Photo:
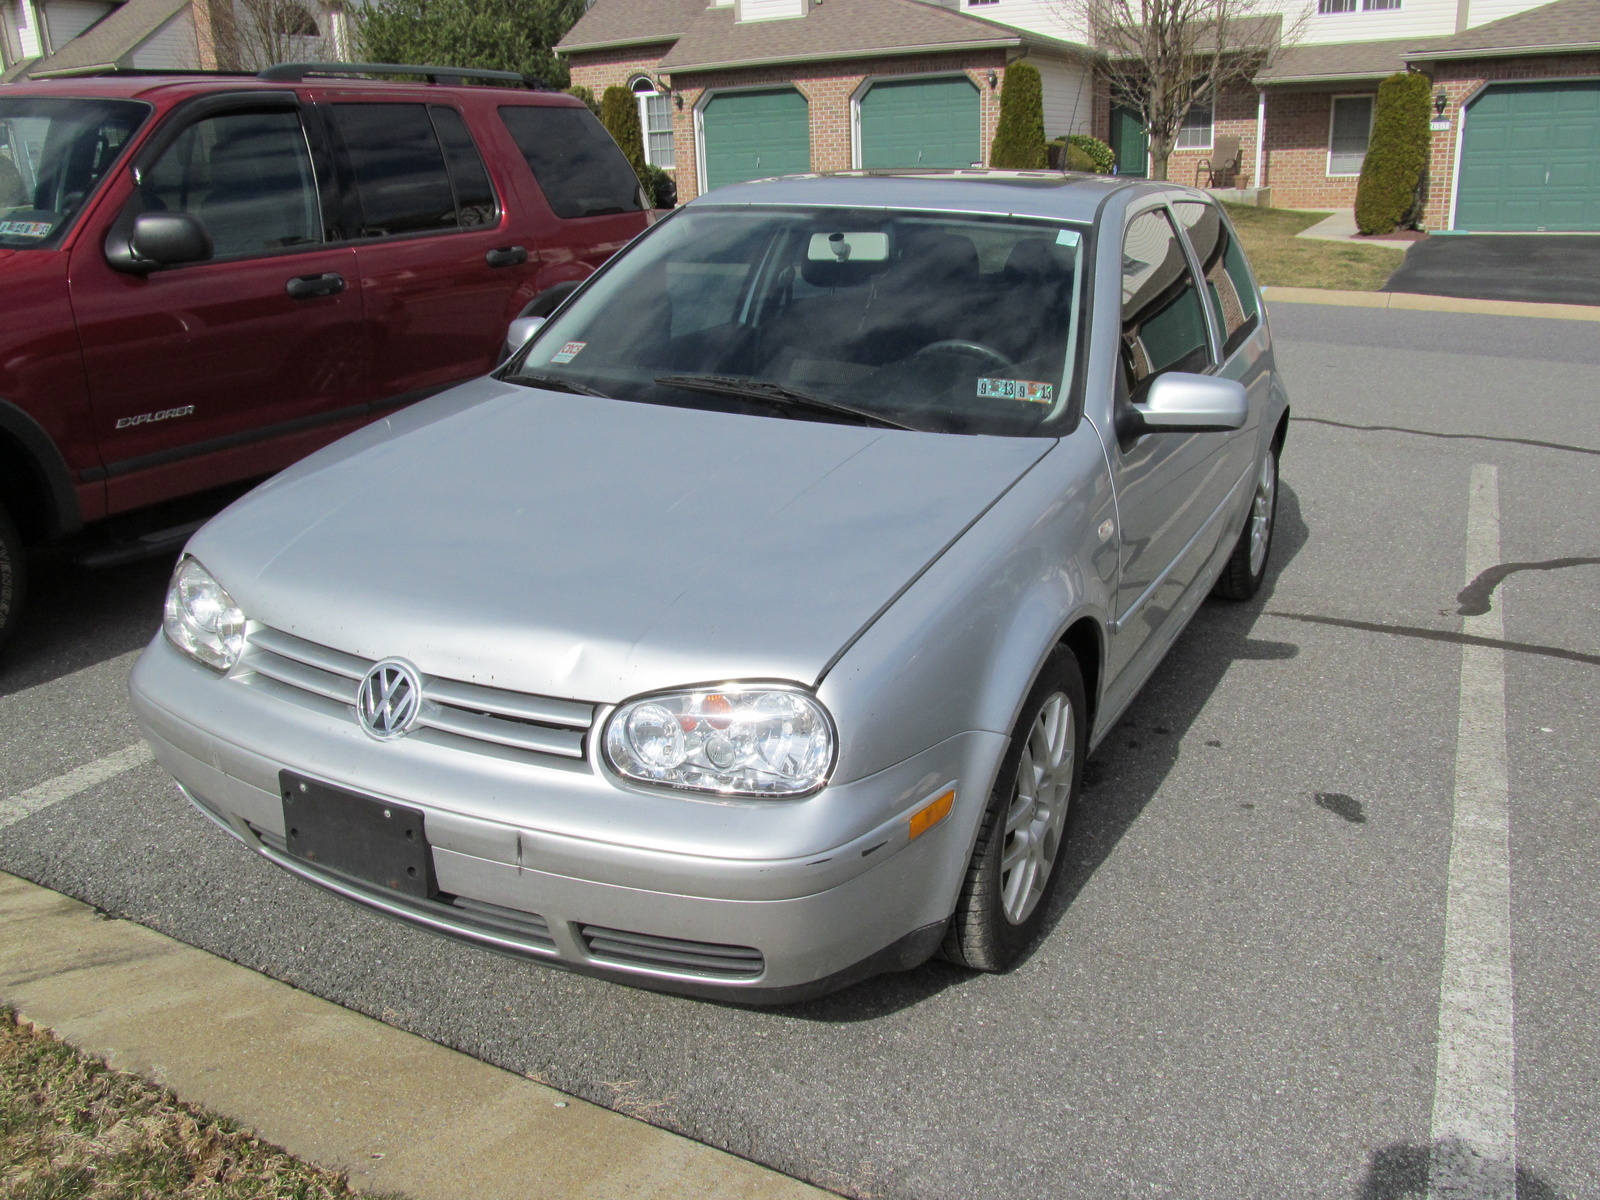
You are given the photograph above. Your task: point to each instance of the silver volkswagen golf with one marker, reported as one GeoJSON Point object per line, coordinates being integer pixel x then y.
{"type": "Point", "coordinates": [744, 635]}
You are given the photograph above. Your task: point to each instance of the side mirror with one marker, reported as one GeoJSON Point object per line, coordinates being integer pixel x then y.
{"type": "Point", "coordinates": [1179, 402]}
{"type": "Point", "coordinates": [160, 240]}
{"type": "Point", "coordinates": [521, 332]}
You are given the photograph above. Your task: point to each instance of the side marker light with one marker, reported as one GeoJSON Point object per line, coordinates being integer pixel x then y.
{"type": "Point", "coordinates": [932, 813]}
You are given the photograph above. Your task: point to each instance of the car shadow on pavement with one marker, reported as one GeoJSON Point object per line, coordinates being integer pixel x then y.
{"type": "Point", "coordinates": [1400, 1172]}
{"type": "Point", "coordinates": [1123, 773]}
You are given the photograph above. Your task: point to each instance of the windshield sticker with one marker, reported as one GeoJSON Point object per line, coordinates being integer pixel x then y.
{"type": "Point", "coordinates": [34, 229]}
{"type": "Point", "coordinates": [568, 352]}
{"type": "Point", "coordinates": [1067, 237]}
{"type": "Point", "coordinates": [1016, 389]}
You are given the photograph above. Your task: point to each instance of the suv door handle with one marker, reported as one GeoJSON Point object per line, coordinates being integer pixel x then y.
{"type": "Point", "coordinates": [507, 256]}
{"type": "Point", "coordinates": [307, 287]}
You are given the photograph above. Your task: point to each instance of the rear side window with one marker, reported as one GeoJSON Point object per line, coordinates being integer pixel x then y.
{"type": "Point", "coordinates": [578, 165]}
{"type": "Point", "coordinates": [402, 182]}
{"type": "Point", "coordinates": [1163, 319]}
{"type": "Point", "coordinates": [1227, 278]}
{"type": "Point", "coordinates": [475, 204]}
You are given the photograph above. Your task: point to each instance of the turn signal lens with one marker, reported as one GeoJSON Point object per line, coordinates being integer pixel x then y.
{"type": "Point", "coordinates": [201, 619]}
{"type": "Point", "coordinates": [926, 817]}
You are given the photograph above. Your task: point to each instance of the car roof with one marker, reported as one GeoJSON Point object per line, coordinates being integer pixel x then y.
{"type": "Point", "coordinates": [1049, 194]}
{"type": "Point", "coordinates": [181, 85]}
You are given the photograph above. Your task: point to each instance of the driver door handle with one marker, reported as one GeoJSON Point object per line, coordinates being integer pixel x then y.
{"type": "Point", "coordinates": [308, 287]}
{"type": "Point", "coordinates": [507, 256]}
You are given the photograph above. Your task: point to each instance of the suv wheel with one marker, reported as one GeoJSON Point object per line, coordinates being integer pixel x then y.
{"type": "Point", "coordinates": [13, 576]}
{"type": "Point", "coordinates": [1014, 866]}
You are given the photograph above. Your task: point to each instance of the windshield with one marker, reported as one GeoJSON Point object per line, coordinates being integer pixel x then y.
{"type": "Point", "coordinates": [53, 153]}
{"type": "Point", "coordinates": [934, 321]}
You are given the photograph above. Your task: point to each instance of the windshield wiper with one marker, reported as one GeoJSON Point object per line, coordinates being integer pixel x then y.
{"type": "Point", "coordinates": [776, 393]}
{"type": "Point", "coordinates": [554, 383]}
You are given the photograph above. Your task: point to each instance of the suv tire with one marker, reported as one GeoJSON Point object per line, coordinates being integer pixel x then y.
{"type": "Point", "coordinates": [13, 576]}
{"type": "Point", "coordinates": [1000, 911]}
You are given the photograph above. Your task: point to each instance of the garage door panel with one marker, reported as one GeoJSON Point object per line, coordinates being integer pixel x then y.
{"type": "Point", "coordinates": [1530, 158]}
{"type": "Point", "coordinates": [921, 123]}
{"type": "Point", "coordinates": [751, 135]}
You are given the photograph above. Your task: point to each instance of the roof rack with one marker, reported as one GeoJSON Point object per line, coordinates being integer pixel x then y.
{"type": "Point", "coordinates": [297, 72]}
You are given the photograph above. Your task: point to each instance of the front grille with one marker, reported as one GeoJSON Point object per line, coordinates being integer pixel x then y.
{"type": "Point", "coordinates": [463, 715]}
{"type": "Point", "coordinates": [673, 954]}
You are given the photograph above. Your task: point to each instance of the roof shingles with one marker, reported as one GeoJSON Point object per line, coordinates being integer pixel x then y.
{"type": "Point", "coordinates": [1563, 25]}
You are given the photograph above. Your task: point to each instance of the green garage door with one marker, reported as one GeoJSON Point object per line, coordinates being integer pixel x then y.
{"type": "Point", "coordinates": [1530, 159]}
{"type": "Point", "coordinates": [750, 135]}
{"type": "Point", "coordinates": [921, 123]}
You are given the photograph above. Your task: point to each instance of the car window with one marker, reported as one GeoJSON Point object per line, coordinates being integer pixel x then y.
{"type": "Point", "coordinates": [247, 177]}
{"type": "Point", "coordinates": [1233, 296]}
{"type": "Point", "coordinates": [1163, 318]}
{"type": "Point", "coordinates": [402, 185]}
{"type": "Point", "coordinates": [579, 167]}
{"type": "Point", "coordinates": [475, 202]}
{"type": "Point", "coordinates": [947, 322]}
{"type": "Point", "coordinates": [53, 154]}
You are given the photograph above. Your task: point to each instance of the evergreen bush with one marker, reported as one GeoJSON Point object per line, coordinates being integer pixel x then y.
{"type": "Point", "coordinates": [662, 187]}
{"type": "Point", "coordinates": [1078, 160]}
{"type": "Point", "coordinates": [1397, 154]}
{"type": "Point", "coordinates": [1102, 157]}
{"type": "Point", "coordinates": [1019, 139]}
{"type": "Point", "coordinates": [587, 96]}
{"type": "Point", "coordinates": [619, 113]}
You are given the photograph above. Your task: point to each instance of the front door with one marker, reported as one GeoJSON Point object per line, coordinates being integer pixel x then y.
{"type": "Point", "coordinates": [215, 371]}
{"type": "Point", "coordinates": [1129, 142]}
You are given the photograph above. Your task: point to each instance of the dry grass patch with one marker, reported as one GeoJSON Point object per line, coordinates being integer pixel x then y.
{"type": "Point", "coordinates": [1281, 259]}
{"type": "Point", "coordinates": [71, 1128]}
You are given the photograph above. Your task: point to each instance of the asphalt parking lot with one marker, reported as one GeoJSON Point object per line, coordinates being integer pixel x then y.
{"type": "Point", "coordinates": [1239, 992]}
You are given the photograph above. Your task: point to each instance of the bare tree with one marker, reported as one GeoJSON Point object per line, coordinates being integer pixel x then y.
{"type": "Point", "coordinates": [1162, 57]}
{"type": "Point", "coordinates": [252, 34]}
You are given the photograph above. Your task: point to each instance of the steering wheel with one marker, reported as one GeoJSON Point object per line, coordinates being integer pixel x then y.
{"type": "Point", "coordinates": [962, 346]}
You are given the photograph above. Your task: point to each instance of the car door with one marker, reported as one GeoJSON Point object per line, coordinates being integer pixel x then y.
{"type": "Point", "coordinates": [1171, 488]}
{"type": "Point", "coordinates": [441, 259]}
{"type": "Point", "coordinates": [212, 371]}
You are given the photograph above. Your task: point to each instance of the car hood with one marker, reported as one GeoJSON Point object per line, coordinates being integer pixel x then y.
{"type": "Point", "coordinates": [594, 549]}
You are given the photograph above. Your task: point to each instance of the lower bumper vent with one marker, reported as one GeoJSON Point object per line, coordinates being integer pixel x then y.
{"type": "Point", "coordinates": [673, 954]}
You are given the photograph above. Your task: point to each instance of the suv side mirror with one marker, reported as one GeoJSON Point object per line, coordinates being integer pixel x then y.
{"type": "Point", "coordinates": [1179, 402]}
{"type": "Point", "coordinates": [160, 240]}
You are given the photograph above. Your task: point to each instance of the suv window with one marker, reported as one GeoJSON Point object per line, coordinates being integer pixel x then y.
{"type": "Point", "coordinates": [1163, 319]}
{"type": "Point", "coordinates": [579, 167]}
{"type": "Point", "coordinates": [475, 202]}
{"type": "Point", "coordinates": [246, 175]}
{"type": "Point", "coordinates": [1227, 278]}
{"type": "Point", "coordinates": [401, 182]}
{"type": "Point", "coordinates": [53, 154]}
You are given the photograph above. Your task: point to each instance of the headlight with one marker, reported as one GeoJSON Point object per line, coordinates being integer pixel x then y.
{"type": "Point", "coordinates": [737, 740]}
{"type": "Point", "coordinates": [201, 619]}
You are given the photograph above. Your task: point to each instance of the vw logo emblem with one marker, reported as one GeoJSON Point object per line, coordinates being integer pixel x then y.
{"type": "Point", "coordinates": [389, 700]}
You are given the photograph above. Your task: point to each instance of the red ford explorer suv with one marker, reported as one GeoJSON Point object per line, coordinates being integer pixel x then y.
{"type": "Point", "coordinates": [205, 277]}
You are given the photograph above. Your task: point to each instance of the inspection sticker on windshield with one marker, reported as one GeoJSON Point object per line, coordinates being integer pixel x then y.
{"type": "Point", "coordinates": [27, 228]}
{"type": "Point", "coordinates": [568, 352]}
{"type": "Point", "coordinates": [1016, 389]}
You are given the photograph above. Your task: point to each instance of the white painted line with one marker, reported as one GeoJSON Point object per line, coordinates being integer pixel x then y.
{"type": "Point", "coordinates": [1474, 1135]}
{"type": "Point", "coordinates": [81, 779]}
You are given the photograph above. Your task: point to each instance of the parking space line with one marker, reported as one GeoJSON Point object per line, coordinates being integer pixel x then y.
{"type": "Point", "coordinates": [1473, 1128]}
{"type": "Point", "coordinates": [80, 779]}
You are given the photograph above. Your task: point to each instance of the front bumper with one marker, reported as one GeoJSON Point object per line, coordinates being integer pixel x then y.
{"type": "Point", "coordinates": [764, 902]}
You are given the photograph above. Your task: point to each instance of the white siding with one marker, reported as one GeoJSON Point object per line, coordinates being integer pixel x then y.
{"type": "Point", "coordinates": [768, 10]}
{"type": "Point", "coordinates": [66, 19]}
{"type": "Point", "coordinates": [1068, 95]}
{"type": "Point", "coordinates": [1055, 18]}
{"type": "Point", "coordinates": [170, 48]}
{"type": "Point", "coordinates": [1484, 11]}
{"type": "Point", "coordinates": [23, 29]}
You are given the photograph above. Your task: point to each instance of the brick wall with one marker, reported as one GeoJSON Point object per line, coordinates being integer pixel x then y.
{"type": "Point", "coordinates": [1235, 114]}
{"type": "Point", "coordinates": [1461, 81]}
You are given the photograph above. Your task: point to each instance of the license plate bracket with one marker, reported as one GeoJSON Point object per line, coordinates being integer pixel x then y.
{"type": "Point", "coordinates": [375, 841]}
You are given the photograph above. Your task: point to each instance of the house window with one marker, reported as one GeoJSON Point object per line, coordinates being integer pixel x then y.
{"type": "Point", "coordinates": [1196, 131]}
{"type": "Point", "coordinates": [1329, 7]}
{"type": "Point", "coordinates": [976, 3]}
{"type": "Point", "coordinates": [1380, 5]}
{"type": "Point", "coordinates": [655, 118]}
{"type": "Point", "coordinates": [1349, 128]}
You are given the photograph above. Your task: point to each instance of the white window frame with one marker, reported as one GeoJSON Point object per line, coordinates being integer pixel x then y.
{"type": "Point", "coordinates": [643, 88]}
{"type": "Point", "coordinates": [1333, 105]}
{"type": "Point", "coordinates": [1354, 8]}
{"type": "Point", "coordinates": [1211, 129]}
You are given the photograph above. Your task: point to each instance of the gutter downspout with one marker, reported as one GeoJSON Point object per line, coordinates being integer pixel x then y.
{"type": "Point", "coordinates": [1261, 136]}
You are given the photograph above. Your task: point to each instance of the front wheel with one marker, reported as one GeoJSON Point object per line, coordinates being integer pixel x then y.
{"type": "Point", "coordinates": [13, 576]}
{"type": "Point", "coordinates": [1015, 864]}
{"type": "Point", "coordinates": [1247, 565]}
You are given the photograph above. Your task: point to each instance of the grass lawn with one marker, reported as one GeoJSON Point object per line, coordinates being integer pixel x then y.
{"type": "Point", "coordinates": [71, 1128]}
{"type": "Point", "coordinates": [1281, 259]}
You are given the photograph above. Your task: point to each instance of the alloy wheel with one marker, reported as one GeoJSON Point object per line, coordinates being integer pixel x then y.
{"type": "Point", "coordinates": [1038, 809]}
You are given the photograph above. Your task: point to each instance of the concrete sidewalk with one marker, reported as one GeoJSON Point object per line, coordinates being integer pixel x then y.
{"type": "Point", "coordinates": [1340, 226]}
{"type": "Point", "coordinates": [395, 1112]}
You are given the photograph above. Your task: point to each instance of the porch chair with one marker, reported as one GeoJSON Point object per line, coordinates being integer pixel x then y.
{"type": "Point", "coordinates": [1221, 169]}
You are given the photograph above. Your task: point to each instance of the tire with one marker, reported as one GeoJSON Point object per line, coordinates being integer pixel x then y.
{"type": "Point", "coordinates": [998, 914]}
{"type": "Point", "coordinates": [13, 577]}
{"type": "Point", "coordinates": [1247, 565]}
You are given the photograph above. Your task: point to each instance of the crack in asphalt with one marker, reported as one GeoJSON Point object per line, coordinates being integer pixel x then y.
{"type": "Point", "coordinates": [1471, 437]}
{"type": "Point", "coordinates": [1476, 596]}
{"type": "Point", "coordinates": [1440, 635]}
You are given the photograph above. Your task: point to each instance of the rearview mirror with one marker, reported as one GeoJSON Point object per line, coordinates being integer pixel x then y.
{"type": "Point", "coordinates": [521, 333]}
{"type": "Point", "coordinates": [1179, 402]}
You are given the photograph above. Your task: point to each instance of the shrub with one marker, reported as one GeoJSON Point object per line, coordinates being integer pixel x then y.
{"type": "Point", "coordinates": [1397, 154]}
{"type": "Point", "coordinates": [587, 96]}
{"type": "Point", "coordinates": [504, 35]}
{"type": "Point", "coordinates": [1019, 138]}
{"type": "Point", "coordinates": [619, 113]}
{"type": "Point", "coordinates": [1102, 157]}
{"type": "Point", "coordinates": [662, 187]}
{"type": "Point", "coordinates": [1078, 160]}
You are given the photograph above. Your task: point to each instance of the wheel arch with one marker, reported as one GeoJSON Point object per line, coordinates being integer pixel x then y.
{"type": "Point", "coordinates": [35, 485]}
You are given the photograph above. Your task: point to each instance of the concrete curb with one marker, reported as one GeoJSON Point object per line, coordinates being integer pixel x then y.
{"type": "Point", "coordinates": [1421, 303]}
{"type": "Point", "coordinates": [395, 1112]}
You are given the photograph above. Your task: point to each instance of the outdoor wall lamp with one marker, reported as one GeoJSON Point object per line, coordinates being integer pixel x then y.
{"type": "Point", "coordinates": [994, 80]}
{"type": "Point", "coordinates": [1440, 102]}
{"type": "Point", "coordinates": [678, 100]}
